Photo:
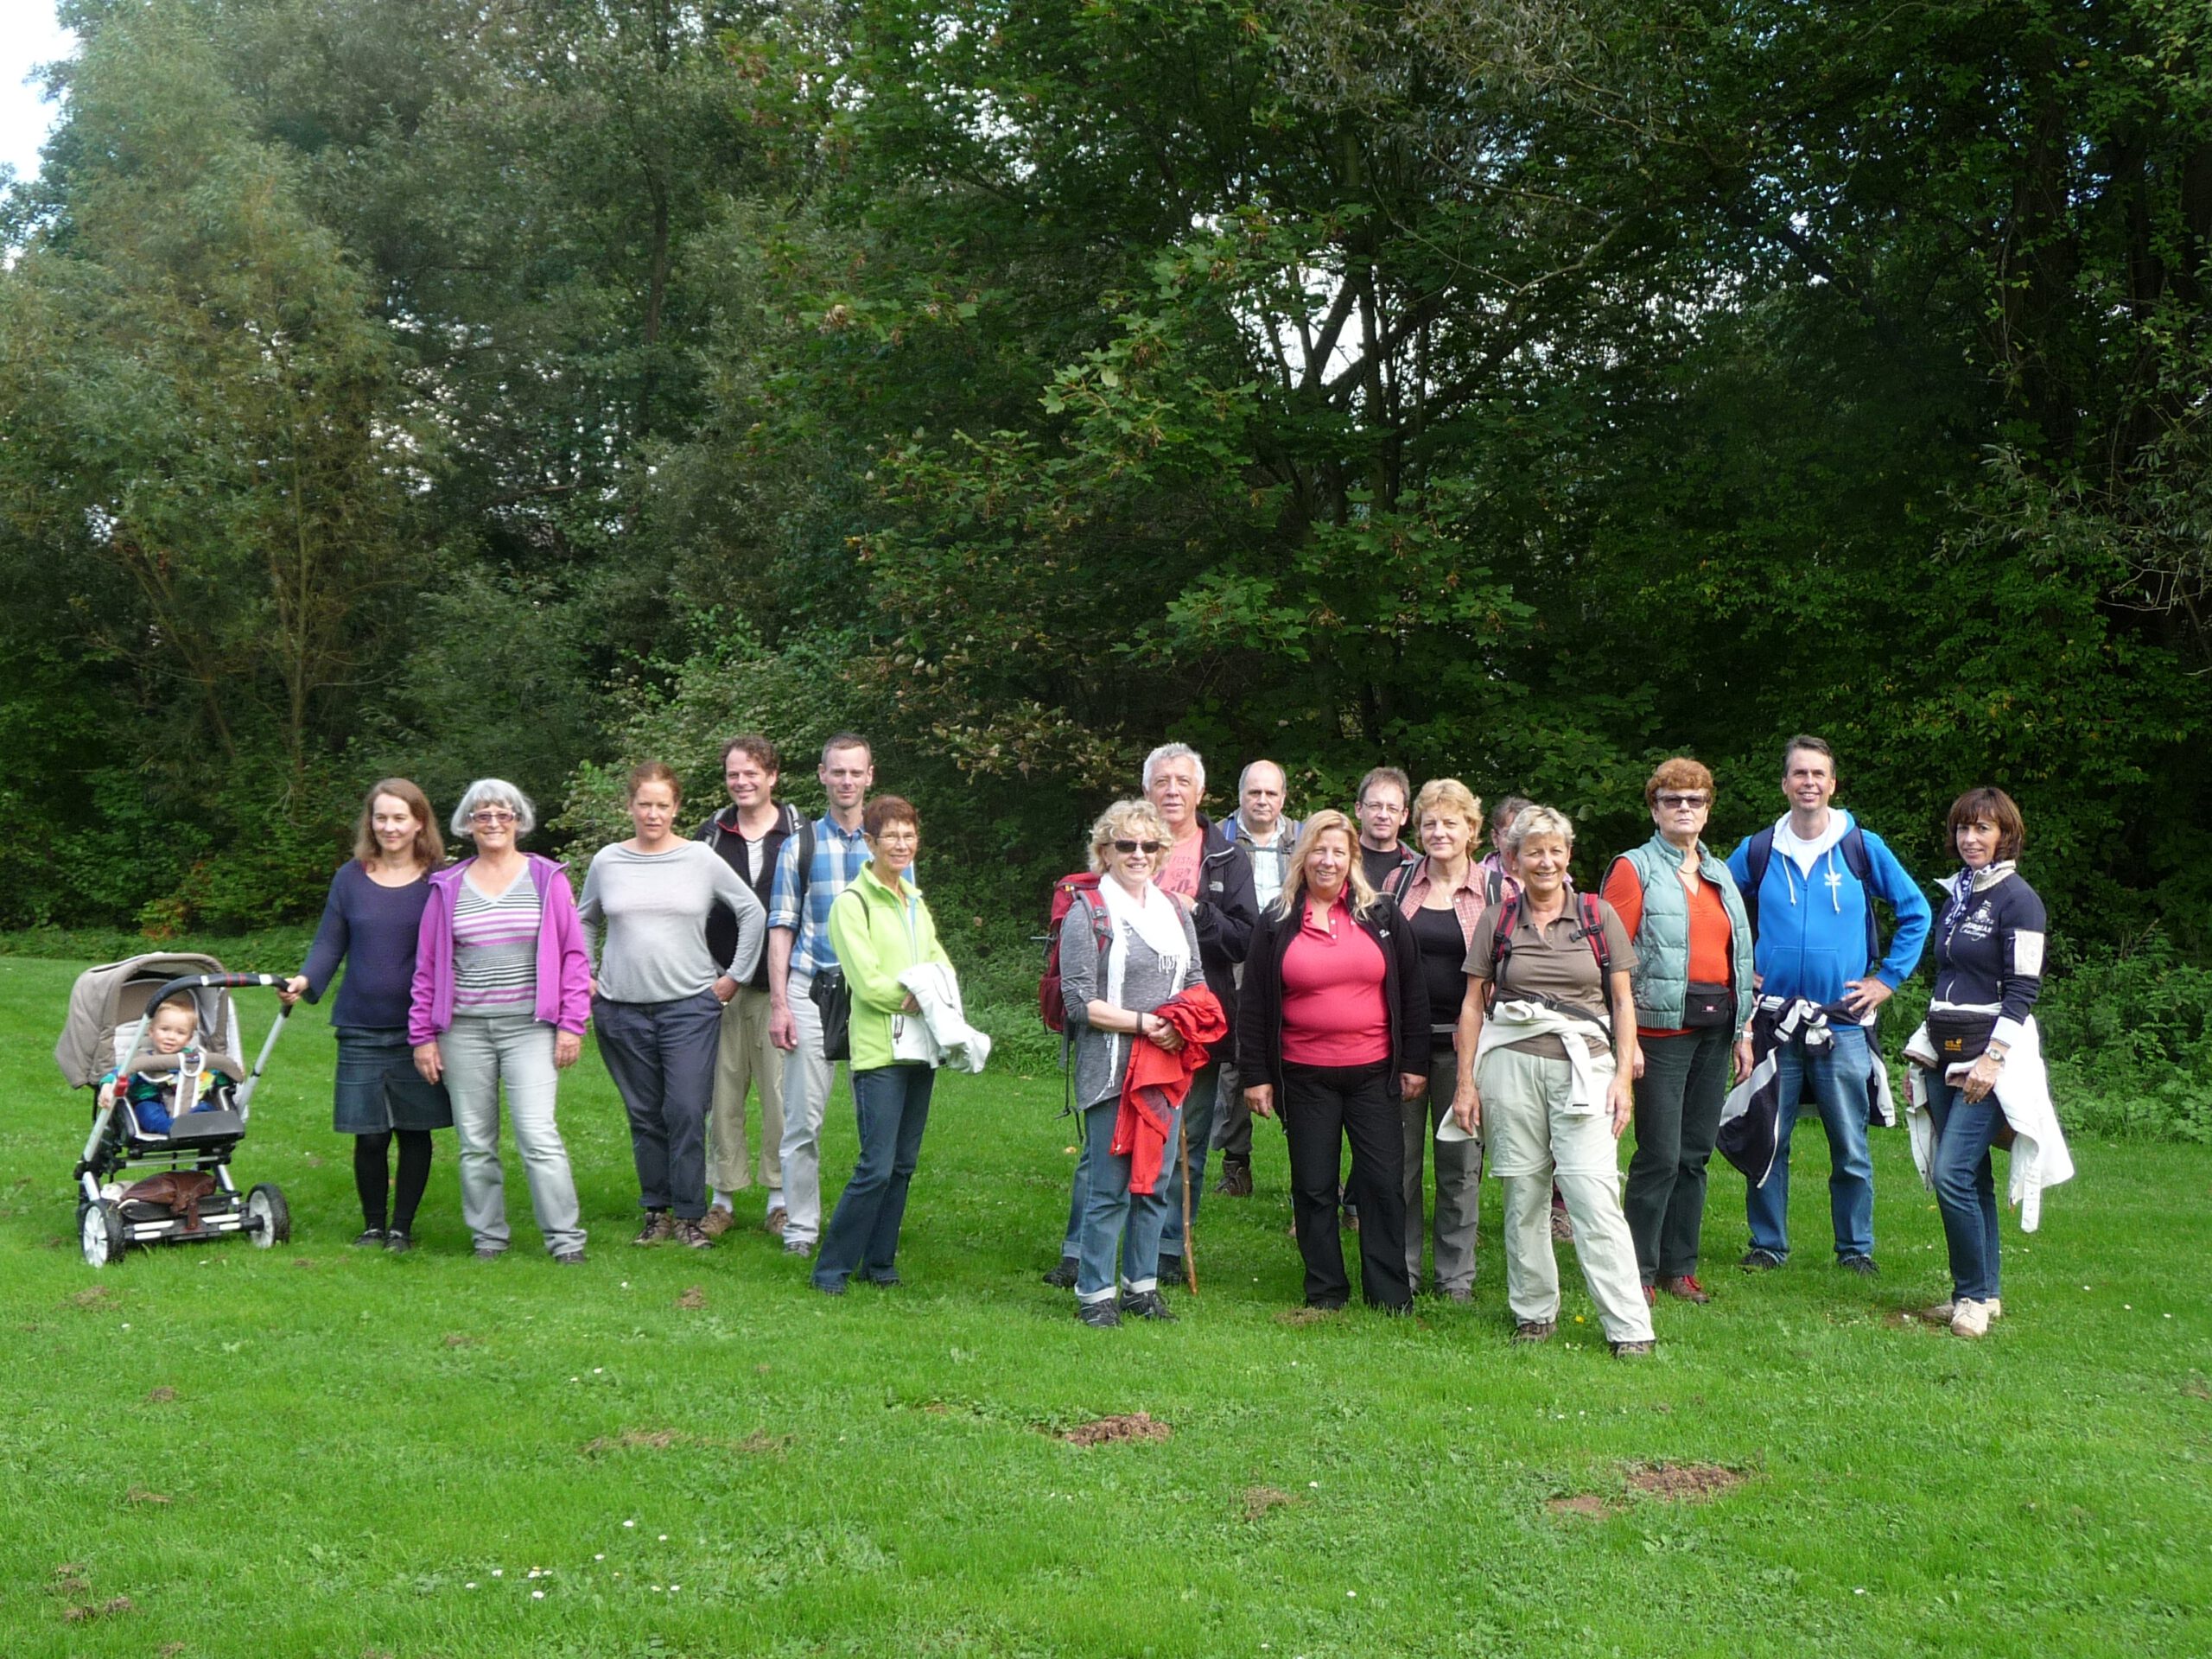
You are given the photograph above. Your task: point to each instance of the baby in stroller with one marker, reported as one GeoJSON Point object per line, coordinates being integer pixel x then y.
{"type": "Point", "coordinates": [159, 1093]}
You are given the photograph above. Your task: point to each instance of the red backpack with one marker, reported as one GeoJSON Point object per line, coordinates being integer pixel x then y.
{"type": "Point", "coordinates": [1068, 892]}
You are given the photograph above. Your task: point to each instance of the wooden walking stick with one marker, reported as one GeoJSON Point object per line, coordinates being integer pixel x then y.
{"type": "Point", "coordinates": [1189, 1244]}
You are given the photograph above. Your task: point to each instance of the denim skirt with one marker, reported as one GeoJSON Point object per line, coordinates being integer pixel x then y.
{"type": "Point", "coordinates": [379, 1088]}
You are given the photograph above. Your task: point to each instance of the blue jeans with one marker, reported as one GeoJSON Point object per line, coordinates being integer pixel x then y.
{"type": "Point", "coordinates": [1837, 1077]}
{"type": "Point", "coordinates": [1116, 1221]}
{"type": "Point", "coordinates": [1198, 1123]}
{"type": "Point", "coordinates": [893, 1105]}
{"type": "Point", "coordinates": [1966, 1188]}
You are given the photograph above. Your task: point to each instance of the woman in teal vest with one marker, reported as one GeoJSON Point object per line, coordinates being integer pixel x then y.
{"type": "Point", "coordinates": [1693, 994]}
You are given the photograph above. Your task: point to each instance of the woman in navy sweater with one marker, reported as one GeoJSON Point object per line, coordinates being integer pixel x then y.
{"type": "Point", "coordinates": [370, 923]}
{"type": "Point", "coordinates": [1989, 947]}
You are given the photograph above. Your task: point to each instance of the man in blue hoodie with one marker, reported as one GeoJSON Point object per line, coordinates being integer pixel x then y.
{"type": "Point", "coordinates": [1811, 881]}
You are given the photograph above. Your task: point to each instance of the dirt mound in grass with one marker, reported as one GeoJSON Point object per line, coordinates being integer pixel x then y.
{"type": "Point", "coordinates": [1134, 1425]}
{"type": "Point", "coordinates": [694, 1296]}
{"type": "Point", "coordinates": [1259, 1500]}
{"type": "Point", "coordinates": [1587, 1504]}
{"type": "Point", "coordinates": [1689, 1482]}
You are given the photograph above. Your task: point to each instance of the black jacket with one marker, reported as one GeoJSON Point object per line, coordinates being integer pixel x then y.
{"type": "Point", "coordinates": [720, 832]}
{"type": "Point", "coordinates": [1225, 911]}
{"type": "Point", "coordinates": [1259, 1014]}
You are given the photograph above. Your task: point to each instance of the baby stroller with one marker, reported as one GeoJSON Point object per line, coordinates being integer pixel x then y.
{"type": "Point", "coordinates": [109, 1010]}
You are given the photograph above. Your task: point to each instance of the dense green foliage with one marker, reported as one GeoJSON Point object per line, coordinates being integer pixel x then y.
{"type": "Point", "coordinates": [312, 1450]}
{"type": "Point", "coordinates": [1519, 392]}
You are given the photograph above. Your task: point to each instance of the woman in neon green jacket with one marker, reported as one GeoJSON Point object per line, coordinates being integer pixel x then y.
{"type": "Point", "coordinates": [881, 928]}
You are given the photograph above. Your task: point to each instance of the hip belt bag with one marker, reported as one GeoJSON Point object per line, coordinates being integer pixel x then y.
{"type": "Point", "coordinates": [1705, 1005]}
{"type": "Point", "coordinates": [1959, 1038]}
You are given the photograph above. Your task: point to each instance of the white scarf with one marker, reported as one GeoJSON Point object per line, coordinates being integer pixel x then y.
{"type": "Point", "coordinates": [1154, 917]}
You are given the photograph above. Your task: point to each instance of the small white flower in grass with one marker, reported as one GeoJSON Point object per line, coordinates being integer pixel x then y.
{"type": "Point", "coordinates": [673, 1588]}
{"type": "Point", "coordinates": [629, 1523]}
{"type": "Point", "coordinates": [126, 1324]}
{"type": "Point", "coordinates": [2128, 1307]}
{"type": "Point", "coordinates": [499, 1572]}
{"type": "Point", "coordinates": [471, 1584]}
{"type": "Point", "coordinates": [600, 1556]}
{"type": "Point", "coordinates": [579, 1379]}
{"type": "Point", "coordinates": [537, 1595]}
{"type": "Point", "coordinates": [1312, 1483]}
{"type": "Point", "coordinates": [1354, 1594]}
{"type": "Point", "coordinates": [664, 1537]}
{"type": "Point", "coordinates": [598, 1370]}
{"type": "Point", "coordinates": [1859, 1590]}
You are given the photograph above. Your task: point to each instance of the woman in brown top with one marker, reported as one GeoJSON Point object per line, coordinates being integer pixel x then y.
{"type": "Point", "coordinates": [1547, 1048]}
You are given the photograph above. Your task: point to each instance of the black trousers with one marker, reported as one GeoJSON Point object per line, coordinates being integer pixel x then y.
{"type": "Point", "coordinates": [1322, 1107]}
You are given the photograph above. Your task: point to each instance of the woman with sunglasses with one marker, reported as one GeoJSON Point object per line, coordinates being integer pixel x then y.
{"type": "Point", "coordinates": [1693, 988]}
{"type": "Point", "coordinates": [502, 990]}
{"type": "Point", "coordinates": [1151, 957]}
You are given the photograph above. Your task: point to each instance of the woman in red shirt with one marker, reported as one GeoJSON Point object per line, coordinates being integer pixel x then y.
{"type": "Point", "coordinates": [1333, 1025]}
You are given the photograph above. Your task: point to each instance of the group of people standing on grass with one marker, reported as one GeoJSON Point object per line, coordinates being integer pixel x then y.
{"type": "Point", "coordinates": [1430, 1007]}
{"type": "Point", "coordinates": [1433, 1005]}
{"type": "Point", "coordinates": [702, 962]}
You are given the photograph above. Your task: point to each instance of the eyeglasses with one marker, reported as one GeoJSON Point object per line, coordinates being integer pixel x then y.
{"type": "Point", "coordinates": [491, 815]}
{"type": "Point", "coordinates": [1670, 801]}
{"type": "Point", "coordinates": [1138, 846]}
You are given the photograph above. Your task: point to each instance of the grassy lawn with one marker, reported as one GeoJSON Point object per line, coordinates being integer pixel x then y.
{"type": "Point", "coordinates": [327, 1452]}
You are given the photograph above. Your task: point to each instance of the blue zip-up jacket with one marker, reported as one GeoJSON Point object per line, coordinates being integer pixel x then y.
{"type": "Point", "coordinates": [1812, 934]}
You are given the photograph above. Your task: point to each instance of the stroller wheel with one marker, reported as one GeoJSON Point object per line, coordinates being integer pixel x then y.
{"type": "Point", "coordinates": [100, 1230]}
{"type": "Point", "coordinates": [268, 1218]}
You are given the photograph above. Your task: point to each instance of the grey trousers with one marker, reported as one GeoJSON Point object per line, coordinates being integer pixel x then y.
{"type": "Point", "coordinates": [661, 1055]}
{"type": "Point", "coordinates": [1459, 1166]}
{"type": "Point", "coordinates": [482, 1052]}
{"type": "Point", "coordinates": [808, 1077]}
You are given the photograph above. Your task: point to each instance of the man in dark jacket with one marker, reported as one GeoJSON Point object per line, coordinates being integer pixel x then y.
{"type": "Point", "coordinates": [747, 835]}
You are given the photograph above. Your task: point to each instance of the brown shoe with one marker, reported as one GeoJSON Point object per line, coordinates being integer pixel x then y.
{"type": "Point", "coordinates": [1684, 1286]}
{"type": "Point", "coordinates": [777, 1217]}
{"type": "Point", "coordinates": [690, 1234]}
{"type": "Point", "coordinates": [1562, 1227]}
{"type": "Point", "coordinates": [718, 1221]}
{"type": "Point", "coordinates": [1631, 1350]}
{"type": "Point", "coordinates": [1235, 1180]}
{"type": "Point", "coordinates": [659, 1225]}
{"type": "Point", "coordinates": [1534, 1330]}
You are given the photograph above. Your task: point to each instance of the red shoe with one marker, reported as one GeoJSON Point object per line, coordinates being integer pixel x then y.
{"type": "Point", "coordinates": [1685, 1286]}
{"type": "Point", "coordinates": [1652, 1296]}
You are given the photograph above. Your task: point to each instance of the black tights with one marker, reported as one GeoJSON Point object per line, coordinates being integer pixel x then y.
{"type": "Point", "coordinates": [372, 1177]}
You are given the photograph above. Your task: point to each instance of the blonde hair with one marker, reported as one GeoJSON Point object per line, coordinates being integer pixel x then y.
{"type": "Point", "coordinates": [1326, 820]}
{"type": "Point", "coordinates": [1117, 820]}
{"type": "Point", "coordinates": [1449, 795]}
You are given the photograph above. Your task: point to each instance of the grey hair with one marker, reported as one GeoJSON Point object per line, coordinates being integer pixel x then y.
{"type": "Point", "coordinates": [1174, 751]}
{"type": "Point", "coordinates": [1540, 821]}
{"type": "Point", "coordinates": [1244, 778]}
{"type": "Point", "coordinates": [495, 792]}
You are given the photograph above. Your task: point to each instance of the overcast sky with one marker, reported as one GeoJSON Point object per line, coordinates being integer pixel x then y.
{"type": "Point", "coordinates": [29, 36]}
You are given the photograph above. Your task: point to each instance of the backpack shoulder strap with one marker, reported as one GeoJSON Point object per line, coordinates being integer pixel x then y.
{"type": "Point", "coordinates": [1593, 933]}
{"type": "Point", "coordinates": [806, 858]}
{"type": "Point", "coordinates": [1758, 853]}
{"type": "Point", "coordinates": [1860, 863]}
{"type": "Point", "coordinates": [1401, 882]}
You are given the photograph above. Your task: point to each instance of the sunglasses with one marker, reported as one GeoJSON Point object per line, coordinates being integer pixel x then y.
{"type": "Point", "coordinates": [1670, 801]}
{"type": "Point", "coordinates": [1138, 846]}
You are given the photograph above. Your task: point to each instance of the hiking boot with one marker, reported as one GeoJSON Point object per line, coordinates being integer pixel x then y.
{"type": "Point", "coordinates": [1534, 1330]}
{"type": "Point", "coordinates": [490, 1252]}
{"type": "Point", "coordinates": [690, 1235]}
{"type": "Point", "coordinates": [659, 1225]}
{"type": "Point", "coordinates": [1236, 1181]}
{"type": "Point", "coordinates": [1970, 1319]}
{"type": "Point", "coordinates": [1101, 1315]}
{"type": "Point", "coordinates": [1631, 1350]}
{"type": "Point", "coordinates": [371, 1238]}
{"type": "Point", "coordinates": [797, 1247]}
{"type": "Point", "coordinates": [777, 1217]}
{"type": "Point", "coordinates": [1684, 1287]}
{"type": "Point", "coordinates": [1862, 1265]}
{"type": "Point", "coordinates": [568, 1258]}
{"type": "Point", "coordinates": [1063, 1277]}
{"type": "Point", "coordinates": [1146, 1304]}
{"type": "Point", "coordinates": [1652, 1296]}
{"type": "Point", "coordinates": [717, 1221]}
{"type": "Point", "coordinates": [1759, 1259]}
{"type": "Point", "coordinates": [1941, 1314]}
{"type": "Point", "coordinates": [1170, 1270]}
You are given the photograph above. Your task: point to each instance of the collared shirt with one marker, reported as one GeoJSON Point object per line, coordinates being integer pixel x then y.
{"type": "Point", "coordinates": [1270, 861]}
{"type": "Point", "coordinates": [839, 857]}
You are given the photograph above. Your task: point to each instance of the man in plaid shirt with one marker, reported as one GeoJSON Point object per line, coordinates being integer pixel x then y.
{"type": "Point", "coordinates": [814, 868]}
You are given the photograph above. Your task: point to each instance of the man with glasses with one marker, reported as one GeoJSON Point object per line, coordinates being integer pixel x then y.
{"type": "Point", "coordinates": [816, 865]}
{"type": "Point", "coordinates": [1809, 882]}
{"type": "Point", "coordinates": [1260, 830]}
{"type": "Point", "coordinates": [1385, 796]}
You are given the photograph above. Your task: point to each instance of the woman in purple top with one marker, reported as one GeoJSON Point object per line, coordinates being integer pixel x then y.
{"type": "Point", "coordinates": [370, 923]}
{"type": "Point", "coordinates": [502, 989]}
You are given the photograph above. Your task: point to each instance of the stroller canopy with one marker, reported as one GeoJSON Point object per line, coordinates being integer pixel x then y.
{"type": "Point", "coordinates": [108, 997]}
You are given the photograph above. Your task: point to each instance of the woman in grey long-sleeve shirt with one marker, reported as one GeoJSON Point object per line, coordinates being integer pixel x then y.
{"type": "Point", "coordinates": [1151, 957]}
{"type": "Point", "coordinates": [660, 993]}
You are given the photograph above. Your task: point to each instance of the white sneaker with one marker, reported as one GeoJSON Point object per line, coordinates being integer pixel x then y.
{"type": "Point", "coordinates": [1941, 1313]}
{"type": "Point", "coordinates": [1970, 1319]}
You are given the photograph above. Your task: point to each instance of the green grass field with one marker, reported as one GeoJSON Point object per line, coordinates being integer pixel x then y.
{"type": "Point", "coordinates": [313, 1451]}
